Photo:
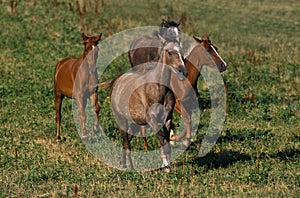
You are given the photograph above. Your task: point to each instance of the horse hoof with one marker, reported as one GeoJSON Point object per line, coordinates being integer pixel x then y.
{"type": "Point", "coordinates": [96, 128]}
{"type": "Point", "coordinates": [61, 140]}
{"type": "Point", "coordinates": [186, 144]}
{"type": "Point", "coordinates": [167, 170]}
{"type": "Point", "coordinates": [173, 143]}
{"type": "Point", "coordinates": [85, 138]}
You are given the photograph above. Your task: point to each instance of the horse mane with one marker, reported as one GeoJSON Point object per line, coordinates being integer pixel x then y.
{"type": "Point", "coordinates": [192, 46]}
{"type": "Point", "coordinates": [168, 24]}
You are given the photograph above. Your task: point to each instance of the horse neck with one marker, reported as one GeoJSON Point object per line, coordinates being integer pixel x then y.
{"type": "Point", "coordinates": [199, 57]}
{"type": "Point", "coordinates": [82, 60]}
{"type": "Point", "coordinates": [193, 63]}
{"type": "Point", "coordinates": [193, 72]}
{"type": "Point", "coordinates": [161, 73]}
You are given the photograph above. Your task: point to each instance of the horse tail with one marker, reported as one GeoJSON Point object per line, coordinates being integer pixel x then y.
{"type": "Point", "coordinates": [107, 85]}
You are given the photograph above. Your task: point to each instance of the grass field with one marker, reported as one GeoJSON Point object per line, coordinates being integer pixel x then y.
{"type": "Point", "coordinates": [258, 153]}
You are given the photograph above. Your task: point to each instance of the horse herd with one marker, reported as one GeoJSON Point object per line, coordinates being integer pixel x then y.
{"type": "Point", "coordinates": [145, 95]}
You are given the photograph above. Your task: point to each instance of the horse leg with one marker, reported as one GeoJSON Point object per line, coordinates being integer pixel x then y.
{"type": "Point", "coordinates": [164, 142]}
{"type": "Point", "coordinates": [188, 123]}
{"type": "Point", "coordinates": [168, 126]}
{"type": "Point", "coordinates": [187, 131]}
{"type": "Point", "coordinates": [126, 144]}
{"type": "Point", "coordinates": [143, 130]}
{"type": "Point", "coordinates": [165, 150]}
{"type": "Point", "coordinates": [58, 103]}
{"type": "Point", "coordinates": [81, 103]}
{"type": "Point", "coordinates": [94, 100]}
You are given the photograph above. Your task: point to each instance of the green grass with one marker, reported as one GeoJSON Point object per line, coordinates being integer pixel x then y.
{"type": "Point", "coordinates": [259, 149]}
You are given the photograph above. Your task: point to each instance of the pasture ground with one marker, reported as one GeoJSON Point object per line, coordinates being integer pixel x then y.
{"type": "Point", "coordinates": [259, 149]}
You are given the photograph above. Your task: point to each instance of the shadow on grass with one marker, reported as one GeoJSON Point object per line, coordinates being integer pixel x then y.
{"type": "Point", "coordinates": [245, 134]}
{"type": "Point", "coordinates": [226, 158]}
{"type": "Point", "coordinates": [220, 160]}
{"type": "Point", "coordinates": [286, 155]}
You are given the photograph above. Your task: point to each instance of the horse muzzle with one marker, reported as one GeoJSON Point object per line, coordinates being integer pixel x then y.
{"type": "Point", "coordinates": [182, 72]}
{"type": "Point", "coordinates": [222, 67]}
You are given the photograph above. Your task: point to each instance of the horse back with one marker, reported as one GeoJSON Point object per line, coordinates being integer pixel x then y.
{"type": "Point", "coordinates": [143, 50]}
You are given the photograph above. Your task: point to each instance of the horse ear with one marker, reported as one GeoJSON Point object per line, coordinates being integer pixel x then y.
{"type": "Point", "coordinates": [163, 22]}
{"type": "Point", "coordinates": [198, 39]}
{"type": "Point", "coordinates": [84, 37]}
{"type": "Point", "coordinates": [161, 38]}
{"type": "Point", "coordinates": [206, 37]}
{"type": "Point", "coordinates": [99, 37]}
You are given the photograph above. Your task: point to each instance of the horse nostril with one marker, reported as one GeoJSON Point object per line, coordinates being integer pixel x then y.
{"type": "Point", "coordinates": [223, 65]}
{"type": "Point", "coordinates": [184, 71]}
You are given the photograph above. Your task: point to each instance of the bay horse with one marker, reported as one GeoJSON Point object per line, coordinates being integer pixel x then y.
{"type": "Point", "coordinates": [77, 78]}
{"type": "Point", "coordinates": [204, 52]}
{"type": "Point", "coordinates": [150, 102]}
{"type": "Point", "coordinates": [146, 48]}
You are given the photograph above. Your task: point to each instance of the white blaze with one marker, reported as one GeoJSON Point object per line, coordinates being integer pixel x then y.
{"type": "Point", "coordinates": [219, 55]}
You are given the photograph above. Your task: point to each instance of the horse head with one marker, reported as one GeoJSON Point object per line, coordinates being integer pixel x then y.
{"type": "Point", "coordinates": [170, 30]}
{"type": "Point", "coordinates": [91, 50]}
{"type": "Point", "coordinates": [212, 50]}
{"type": "Point", "coordinates": [172, 55]}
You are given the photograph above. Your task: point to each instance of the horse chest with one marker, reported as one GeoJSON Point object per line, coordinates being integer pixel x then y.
{"type": "Point", "coordinates": [91, 84]}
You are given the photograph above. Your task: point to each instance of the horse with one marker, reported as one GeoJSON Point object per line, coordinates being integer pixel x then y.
{"type": "Point", "coordinates": [151, 102]}
{"type": "Point", "coordinates": [203, 53]}
{"type": "Point", "coordinates": [77, 78]}
{"type": "Point", "coordinates": [139, 54]}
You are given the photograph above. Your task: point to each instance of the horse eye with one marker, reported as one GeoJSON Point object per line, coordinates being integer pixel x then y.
{"type": "Point", "coordinates": [170, 53]}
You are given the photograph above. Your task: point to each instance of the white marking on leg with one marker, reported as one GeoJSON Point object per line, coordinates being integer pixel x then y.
{"type": "Point", "coordinates": [173, 143]}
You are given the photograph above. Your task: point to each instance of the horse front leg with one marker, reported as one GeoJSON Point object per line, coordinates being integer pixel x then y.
{"type": "Point", "coordinates": [187, 131]}
{"type": "Point", "coordinates": [163, 138]}
{"type": "Point", "coordinates": [81, 103]}
{"type": "Point", "coordinates": [94, 100]}
{"type": "Point", "coordinates": [58, 103]}
{"type": "Point", "coordinates": [188, 123]}
{"type": "Point", "coordinates": [124, 129]}
{"type": "Point", "coordinates": [165, 150]}
{"type": "Point", "coordinates": [143, 130]}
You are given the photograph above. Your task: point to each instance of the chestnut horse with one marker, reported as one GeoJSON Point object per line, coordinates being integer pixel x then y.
{"type": "Point", "coordinates": [150, 101]}
{"type": "Point", "coordinates": [203, 53]}
{"type": "Point", "coordinates": [77, 78]}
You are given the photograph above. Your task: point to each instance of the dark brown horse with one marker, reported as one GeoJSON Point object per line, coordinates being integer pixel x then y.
{"type": "Point", "coordinates": [77, 78]}
{"type": "Point", "coordinates": [203, 53]}
{"type": "Point", "coordinates": [146, 49]}
{"type": "Point", "coordinates": [139, 99]}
